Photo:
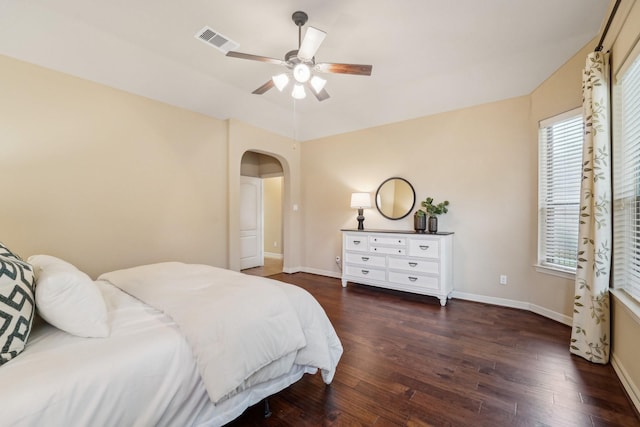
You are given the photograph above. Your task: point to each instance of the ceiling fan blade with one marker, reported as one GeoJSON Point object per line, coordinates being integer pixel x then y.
{"type": "Point", "coordinates": [322, 95]}
{"type": "Point", "coordinates": [255, 57]}
{"type": "Point", "coordinates": [358, 69]}
{"type": "Point", "coordinates": [265, 87]}
{"type": "Point", "coordinates": [312, 40]}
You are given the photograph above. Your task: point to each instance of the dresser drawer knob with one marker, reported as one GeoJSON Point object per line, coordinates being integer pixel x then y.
{"type": "Point", "coordinates": [413, 279]}
{"type": "Point", "coordinates": [412, 264]}
{"type": "Point", "coordinates": [424, 247]}
{"type": "Point", "coordinates": [356, 242]}
{"type": "Point", "coordinates": [365, 271]}
{"type": "Point", "coordinates": [365, 258]}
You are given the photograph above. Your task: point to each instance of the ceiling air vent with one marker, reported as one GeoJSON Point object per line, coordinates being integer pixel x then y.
{"type": "Point", "coordinates": [217, 40]}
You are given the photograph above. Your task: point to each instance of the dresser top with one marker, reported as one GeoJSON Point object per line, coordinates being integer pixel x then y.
{"type": "Point", "coordinates": [370, 230]}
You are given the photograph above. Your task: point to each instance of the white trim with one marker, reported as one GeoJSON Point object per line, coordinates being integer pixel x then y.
{"type": "Point", "coordinates": [560, 117]}
{"type": "Point", "coordinates": [273, 255]}
{"type": "Point", "coordinates": [292, 270]}
{"type": "Point", "coordinates": [491, 300]}
{"type": "Point", "coordinates": [632, 390]}
{"type": "Point", "coordinates": [549, 314]}
{"type": "Point", "coordinates": [319, 272]}
{"type": "Point", "coordinates": [545, 312]}
{"type": "Point", "coordinates": [545, 269]}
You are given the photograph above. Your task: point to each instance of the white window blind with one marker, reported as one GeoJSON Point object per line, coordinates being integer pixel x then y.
{"type": "Point", "coordinates": [626, 184]}
{"type": "Point", "coordinates": [560, 173]}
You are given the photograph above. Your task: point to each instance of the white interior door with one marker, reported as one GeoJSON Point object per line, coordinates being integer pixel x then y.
{"type": "Point", "coordinates": [251, 227]}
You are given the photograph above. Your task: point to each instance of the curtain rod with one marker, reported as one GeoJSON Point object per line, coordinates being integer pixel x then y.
{"type": "Point", "coordinates": [606, 27]}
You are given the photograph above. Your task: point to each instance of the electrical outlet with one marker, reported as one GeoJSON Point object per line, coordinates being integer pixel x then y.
{"type": "Point", "coordinates": [503, 279]}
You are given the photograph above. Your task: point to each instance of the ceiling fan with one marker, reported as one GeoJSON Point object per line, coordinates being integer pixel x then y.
{"type": "Point", "coordinates": [302, 64]}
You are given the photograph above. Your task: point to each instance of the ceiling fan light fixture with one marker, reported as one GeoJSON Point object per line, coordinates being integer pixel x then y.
{"type": "Point", "coordinates": [298, 92]}
{"type": "Point", "coordinates": [302, 73]}
{"type": "Point", "coordinates": [280, 81]}
{"type": "Point", "coordinates": [317, 83]}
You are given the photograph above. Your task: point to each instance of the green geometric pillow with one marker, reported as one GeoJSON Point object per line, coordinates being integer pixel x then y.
{"type": "Point", "coordinates": [17, 307]}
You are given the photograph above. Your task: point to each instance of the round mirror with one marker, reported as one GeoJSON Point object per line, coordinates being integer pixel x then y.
{"type": "Point", "coordinates": [395, 198]}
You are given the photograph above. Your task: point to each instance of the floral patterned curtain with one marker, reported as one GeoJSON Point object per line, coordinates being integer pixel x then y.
{"type": "Point", "coordinates": [590, 336]}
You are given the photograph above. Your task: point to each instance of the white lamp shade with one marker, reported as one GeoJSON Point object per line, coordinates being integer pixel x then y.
{"type": "Point", "coordinates": [360, 200]}
{"type": "Point", "coordinates": [280, 81]}
{"type": "Point", "coordinates": [317, 83]}
{"type": "Point", "coordinates": [298, 92]}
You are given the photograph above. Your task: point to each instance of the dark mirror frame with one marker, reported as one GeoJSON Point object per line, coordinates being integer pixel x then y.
{"type": "Point", "coordinates": [413, 203]}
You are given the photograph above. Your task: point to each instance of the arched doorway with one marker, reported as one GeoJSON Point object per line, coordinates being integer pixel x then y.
{"type": "Point", "coordinates": [261, 220]}
{"type": "Point", "coordinates": [243, 138]}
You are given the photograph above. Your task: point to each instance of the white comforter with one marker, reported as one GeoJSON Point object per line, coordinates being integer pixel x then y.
{"type": "Point", "coordinates": [236, 324]}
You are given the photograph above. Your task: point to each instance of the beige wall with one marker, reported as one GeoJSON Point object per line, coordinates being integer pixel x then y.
{"type": "Point", "coordinates": [559, 93]}
{"type": "Point", "coordinates": [107, 179]}
{"type": "Point", "coordinates": [477, 158]}
{"type": "Point", "coordinates": [273, 215]}
{"type": "Point", "coordinates": [259, 165]}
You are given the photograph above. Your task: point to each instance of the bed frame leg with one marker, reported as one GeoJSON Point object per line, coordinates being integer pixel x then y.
{"type": "Point", "coordinates": [267, 411]}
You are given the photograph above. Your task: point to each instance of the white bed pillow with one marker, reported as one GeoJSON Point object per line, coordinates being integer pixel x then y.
{"type": "Point", "coordinates": [68, 299]}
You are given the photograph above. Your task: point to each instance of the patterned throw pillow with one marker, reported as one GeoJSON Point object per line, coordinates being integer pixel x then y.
{"type": "Point", "coordinates": [5, 252]}
{"type": "Point", "coordinates": [17, 306]}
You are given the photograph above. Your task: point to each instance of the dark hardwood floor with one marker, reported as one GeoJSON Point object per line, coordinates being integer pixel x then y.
{"type": "Point", "coordinates": [409, 362]}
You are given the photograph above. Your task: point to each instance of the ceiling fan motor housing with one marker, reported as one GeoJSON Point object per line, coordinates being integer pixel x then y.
{"type": "Point", "coordinates": [299, 18]}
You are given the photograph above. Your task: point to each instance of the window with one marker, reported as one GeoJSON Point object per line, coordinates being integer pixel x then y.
{"type": "Point", "coordinates": [560, 171]}
{"type": "Point", "coordinates": [626, 182]}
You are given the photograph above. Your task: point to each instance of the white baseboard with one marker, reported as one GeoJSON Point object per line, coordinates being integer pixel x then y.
{"type": "Point", "coordinates": [545, 312]}
{"type": "Point", "coordinates": [491, 300]}
{"type": "Point", "coordinates": [558, 317]}
{"type": "Point", "coordinates": [320, 272]}
{"type": "Point", "coordinates": [273, 255]}
{"type": "Point", "coordinates": [629, 386]}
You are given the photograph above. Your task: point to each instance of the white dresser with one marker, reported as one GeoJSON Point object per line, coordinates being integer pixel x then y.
{"type": "Point", "coordinates": [405, 261]}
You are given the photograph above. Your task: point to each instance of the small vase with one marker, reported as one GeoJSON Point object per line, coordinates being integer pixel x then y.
{"type": "Point", "coordinates": [433, 224]}
{"type": "Point", "coordinates": [419, 223]}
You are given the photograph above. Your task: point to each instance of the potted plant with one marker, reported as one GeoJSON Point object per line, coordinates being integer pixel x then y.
{"type": "Point", "coordinates": [432, 211]}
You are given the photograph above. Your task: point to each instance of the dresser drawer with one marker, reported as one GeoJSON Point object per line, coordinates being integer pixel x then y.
{"type": "Point", "coordinates": [389, 250]}
{"type": "Point", "coordinates": [417, 265]}
{"type": "Point", "coordinates": [357, 243]}
{"type": "Point", "coordinates": [383, 240]}
{"type": "Point", "coordinates": [417, 280]}
{"type": "Point", "coordinates": [424, 248]}
{"type": "Point", "coordinates": [365, 272]}
{"type": "Point", "coordinates": [365, 259]}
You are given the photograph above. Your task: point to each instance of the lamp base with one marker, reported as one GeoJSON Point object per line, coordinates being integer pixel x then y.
{"type": "Point", "coordinates": [360, 219]}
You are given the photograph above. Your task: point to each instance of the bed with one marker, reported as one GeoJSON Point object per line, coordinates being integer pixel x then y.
{"type": "Point", "coordinates": [185, 344]}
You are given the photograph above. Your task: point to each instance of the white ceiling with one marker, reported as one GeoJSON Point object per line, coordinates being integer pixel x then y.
{"type": "Point", "coordinates": [428, 56]}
